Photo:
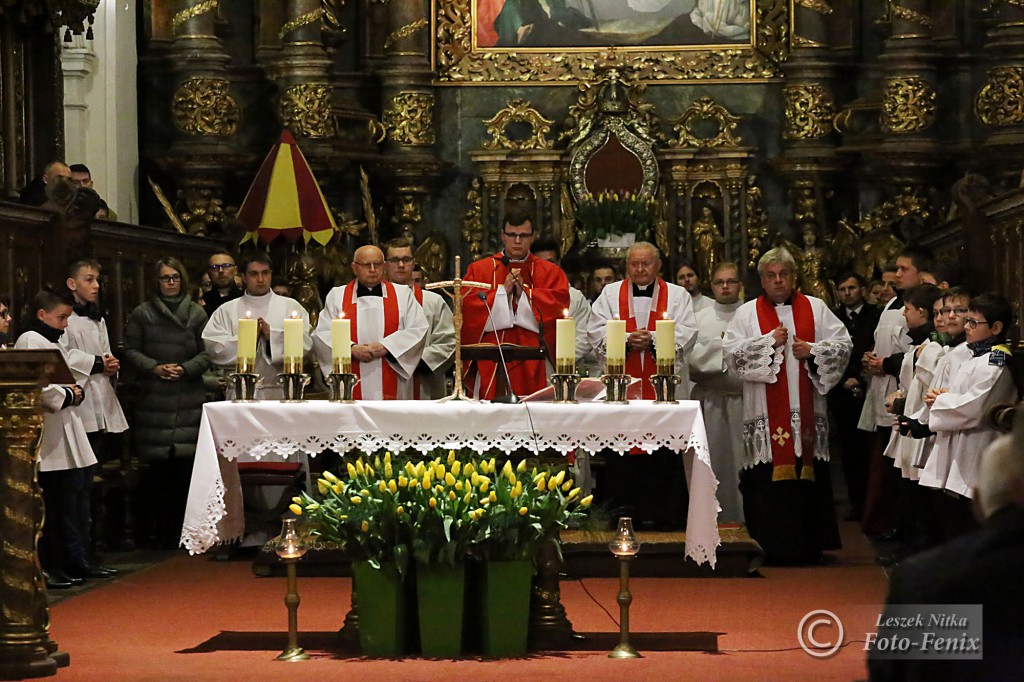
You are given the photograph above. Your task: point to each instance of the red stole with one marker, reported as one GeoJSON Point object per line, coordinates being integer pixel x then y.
{"type": "Point", "coordinates": [642, 364]}
{"type": "Point", "coordinates": [417, 292]}
{"type": "Point", "coordinates": [389, 378]}
{"type": "Point", "coordinates": [777, 395]}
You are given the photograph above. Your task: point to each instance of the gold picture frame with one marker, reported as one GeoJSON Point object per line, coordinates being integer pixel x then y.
{"type": "Point", "coordinates": [466, 52]}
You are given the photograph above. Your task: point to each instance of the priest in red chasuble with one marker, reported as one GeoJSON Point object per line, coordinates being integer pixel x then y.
{"type": "Point", "coordinates": [789, 350]}
{"type": "Point", "coordinates": [388, 329]}
{"type": "Point", "coordinates": [525, 298]}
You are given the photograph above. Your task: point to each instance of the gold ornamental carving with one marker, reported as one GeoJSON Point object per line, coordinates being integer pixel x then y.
{"type": "Point", "coordinates": [908, 105]}
{"type": "Point", "coordinates": [295, 23]}
{"type": "Point", "coordinates": [458, 60]}
{"type": "Point", "coordinates": [306, 110]}
{"type": "Point", "coordinates": [704, 109]}
{"type": "Point", "coordinates": [897, 11]}
{"type": "Point", "coordinates": [1001, 101]}
{"type": "Point", "coordinates": [473, 220]}
{"type": "Point", "coordinates": [518, 111]}
{"type": "Point", "coordinates": [409, 118]}
{"type": "Point", "coordinates": [819, 6]}
{"type": "Point", "coordinates": [403, 32]}
{"type": "Point", "coordinates": [810, 109]}
{"type": "Point", "coordinates": [203, 106]}
{"type": "Point", "coordinates": [192, 12]}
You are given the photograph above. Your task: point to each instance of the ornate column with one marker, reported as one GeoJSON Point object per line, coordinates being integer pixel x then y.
{"type": "Point", "coordinates": [26, 649]}
{"type": "Point", "coordinates": [998, 104]}
{"type": "Point", "coordinates": [809, 161]}
{"type": "Point", "coordinates": [409, 163]}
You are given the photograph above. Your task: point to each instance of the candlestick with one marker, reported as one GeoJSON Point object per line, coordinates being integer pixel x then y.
{"type": "Point", "coordinates": [615, 346]}
{"type": "Point", "coordinates": [290, 547]}
{"type": "Point", "coordinates": [341, 345]}
{"type": "Point", "coordinates": [624, 546]}
{"type": "Point", "coordinates": [565, 345]}
{"type": "Point", "coordinates": [247, 331]}
{"type": "Point", "coordinates": [293, 344]}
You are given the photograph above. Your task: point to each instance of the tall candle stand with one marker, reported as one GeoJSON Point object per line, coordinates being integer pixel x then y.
{"type": "Point", "coordinates": [290, 547]}
{"type": "Point", "coordinates": [624, 546]}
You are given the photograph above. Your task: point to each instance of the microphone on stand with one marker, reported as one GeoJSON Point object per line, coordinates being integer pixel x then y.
{"type": "Point", "coordinates": [510, 397]}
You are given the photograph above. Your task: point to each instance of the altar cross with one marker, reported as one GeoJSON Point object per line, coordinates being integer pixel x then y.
{"type": "Point", "coordinates": [456, 286]}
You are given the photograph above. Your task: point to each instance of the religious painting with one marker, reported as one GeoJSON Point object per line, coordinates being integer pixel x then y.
{"type": "Point", "coordinates": [565, 41]}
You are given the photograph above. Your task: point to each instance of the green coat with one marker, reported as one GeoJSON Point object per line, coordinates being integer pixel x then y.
{"type": "Point", "coordinates": [166, 417]}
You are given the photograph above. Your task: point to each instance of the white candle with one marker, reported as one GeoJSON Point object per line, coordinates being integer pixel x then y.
{"type": "Point", "coordinates": [665, 341]}
{"type": "Point", "coordinates": [247, 330]}
{"type": "Point", "coordinates": [293, 344]}
{"type": "Point", "coordinates": [615, 346]}
{"type": "Point", "coordinates": [565, 345]}
{"type": "Point", "coordinates": [341, 345]}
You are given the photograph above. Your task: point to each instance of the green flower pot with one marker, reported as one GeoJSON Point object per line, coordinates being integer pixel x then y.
{"type": "Point", "coordinates": [504, 601]}
{"type": "Point", "coordinates": [381, 603]}
{"type": "Point", "coordinates": [440, 591]}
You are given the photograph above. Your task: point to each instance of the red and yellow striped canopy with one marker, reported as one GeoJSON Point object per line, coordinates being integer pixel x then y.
{"type": "Point", "coordinates": [285, 199]}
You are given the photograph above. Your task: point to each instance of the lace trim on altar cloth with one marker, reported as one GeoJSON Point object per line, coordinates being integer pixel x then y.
{"type": "Point", "coordinates": [831, 359]}
{"type": "Point", "coordinates": [199, 539]}
{"type": "Point", "coordinates": [507, 443]}
{"type": "Point", "coordinates": [757, 441]}
{"type": "Point", "coordinates": [757, 360]}
{"type": "Point", "coordinates": [702, 554]}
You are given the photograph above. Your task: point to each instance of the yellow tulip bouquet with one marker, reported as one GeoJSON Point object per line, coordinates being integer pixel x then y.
{"type": "Point", "coordinates": [440, 510]}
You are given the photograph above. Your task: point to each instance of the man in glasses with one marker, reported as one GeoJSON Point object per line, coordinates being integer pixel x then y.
{"type": "Point", "coordinates": [721, 393]}
{"type": "Point", "coordinates": [525, 297]}
{"type": "Point", "coordinates": [439, 348]}
{"type": "Point", "coordinates": [388, 329]}
{"type": "Point", "coordinates": [222, 272]}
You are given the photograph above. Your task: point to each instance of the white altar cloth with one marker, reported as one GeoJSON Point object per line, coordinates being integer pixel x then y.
{"type": "Point", "coordinates": [275, 429]}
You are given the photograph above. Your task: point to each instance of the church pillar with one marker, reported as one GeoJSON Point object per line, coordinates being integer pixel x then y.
{"type": "Point", "coordinates": [809, 162]}
{"type": "Point", "coordinates": [409, 163]}
{"type": "Point", "coordinates": [997, 103]}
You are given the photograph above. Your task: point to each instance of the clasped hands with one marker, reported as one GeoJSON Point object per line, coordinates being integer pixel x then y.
{"type": "Point", "coordinates": [871, 364]}
{"type": "Point", "coordinates": [639, 340]}
{"type": "Point", "coordinates": [365, 352]}
{"type": "Point", "coordinates": [801, 349]}
{"type": "Point", "coordinates": [932, 394]}
{"type": "Point", "coordinates": [169, 371]}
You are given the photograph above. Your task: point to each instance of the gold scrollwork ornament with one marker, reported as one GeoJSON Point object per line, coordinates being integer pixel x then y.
{"type": "Point", "coordinates": [908, 105]}
{"type": "Point", "coordinates": [203, 106]}
{"type": "Point", "coordinates": [409, 119]}
{"type": "Point", "coordinates": [518, 111]}
{"type": "Point", "coordinates": [1001, 101]}
{"type": "Point", "coordinates": [306, 110]}
{"type": "Point", "coordinates": [705, 109]}
{"type": "Point", "coordinates": [810, 109]}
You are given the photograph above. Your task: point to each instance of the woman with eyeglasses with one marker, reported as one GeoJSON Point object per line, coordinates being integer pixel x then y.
{"type": "Point", "coordinates": [5, 320]}
{"type": "Point", "coordinates": [164, 344]}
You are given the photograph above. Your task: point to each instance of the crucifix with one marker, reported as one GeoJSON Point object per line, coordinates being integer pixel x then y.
{"type": "Point", "coordinates": [456, 286]}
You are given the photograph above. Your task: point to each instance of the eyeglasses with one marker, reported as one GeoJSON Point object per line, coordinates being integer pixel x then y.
{"type": "Point", "coordinates": [972, 323]}
{"type": "Point", "coordinates": [403, 260]}
{"type": "Point", "coordinates": [222, 266]}
{"type": "Point", "coordinates": [169, 278]}
{"type": "Point", "coordinates": [516, 236]}
{"type": "Point", "coordinates": [371, 266]}
{"type": "Point", "coordinates": [958, 312]}
{"type": "Point", "coordinates": [723, 282]}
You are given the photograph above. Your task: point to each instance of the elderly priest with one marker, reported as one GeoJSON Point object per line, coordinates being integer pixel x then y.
{"type": "Point", "coordinates": [388, 329]}
{"type": "Point", "coordinates": [789, 349]}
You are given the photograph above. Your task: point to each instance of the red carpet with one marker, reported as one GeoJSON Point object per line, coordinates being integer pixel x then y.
{"type": "Point", "coordinates": [191, 618]}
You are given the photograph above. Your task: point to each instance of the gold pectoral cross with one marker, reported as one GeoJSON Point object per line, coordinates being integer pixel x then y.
{"type": "Point", "coordinates": [780, 436]}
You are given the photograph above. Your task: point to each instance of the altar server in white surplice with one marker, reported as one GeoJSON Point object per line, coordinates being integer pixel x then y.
{"type": "Point", "coordinates": [790, 350]}
{"type": "Point", "coordinates": [389, 329]}
{"type": "Point", "coordinates": [271, 310]}
{"type": "Point", "coordinates": [720, 393]}
{"type": "Point", "coordinates": [641, 300]}
{"type": "Point", "coordinates": [439, 347]}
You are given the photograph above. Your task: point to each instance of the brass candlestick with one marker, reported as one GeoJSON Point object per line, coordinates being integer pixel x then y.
{"type": "Point", "coordinates": [290, 547]}
{"type": "Point", "coordinates": [565, 387]}
{"type": "Point", "coordinates": [341, 386]}
{"type": "Point", "coordinates": [665, 387]}
{"type": "Point", "coordinates": [293, 386]}
{"type": "Point", "coordinates": [624, 546]}
{"type": "Point", "coordinates": [616, 386]}
{"type": "Point", "coordinates": [244, 384]}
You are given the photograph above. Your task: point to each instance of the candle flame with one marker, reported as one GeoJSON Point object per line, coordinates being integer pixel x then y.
{"type": "Point", "coordinates": [295, 314]}
{"type": "Point", "coordinates": [565, 313]}
{"type": "Point", "coordinates": [664, 315]}
{"type": "Point", "coordinates": [248, 314]}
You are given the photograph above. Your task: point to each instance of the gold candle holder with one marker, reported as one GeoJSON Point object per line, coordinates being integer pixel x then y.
{"type": "Point", "coordinates": [292, 366]}
{"type": "Point", "coordinates": [615, 386]}
{"type": "Point", "coordinates": [666, 366]}
{"type": "Point", "coordinates": [245, 366]}
{"type": "Point", "coordinates": [615, 367]}
{"type": "Point", "coordinates": [565, 365]}
{"type": "Point", "coordinates": [341, 365]}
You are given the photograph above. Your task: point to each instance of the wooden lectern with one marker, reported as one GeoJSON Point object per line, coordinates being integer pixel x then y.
{"type": "Point", "coordinates": [489, 352]}
{"type": "Point", "coordinates": [26, 649]}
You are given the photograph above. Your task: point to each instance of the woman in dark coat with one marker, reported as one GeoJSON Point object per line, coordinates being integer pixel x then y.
{"type": "Point", "coordinates": [163, 343]}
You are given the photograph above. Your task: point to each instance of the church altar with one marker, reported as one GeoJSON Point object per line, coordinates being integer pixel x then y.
{"type": "Point", "coordinates": [284, 430]}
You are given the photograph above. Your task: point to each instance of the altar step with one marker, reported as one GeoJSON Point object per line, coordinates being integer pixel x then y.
{"type": "Point", "coordinates": [586, 554]}
{"type": "Point", "coordinates": [661, 555]}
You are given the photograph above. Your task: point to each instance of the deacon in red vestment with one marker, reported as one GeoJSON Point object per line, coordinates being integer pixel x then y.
{"type": "Point", "coordinates": [527, 295]}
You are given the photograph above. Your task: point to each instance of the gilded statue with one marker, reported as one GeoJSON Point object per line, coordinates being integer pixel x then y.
{"type": "Point", "coordinates": [302, 279]}
{"type": "Point", "coordinates": [708, 241]}
{"type": "Point", "coordinates": [878, 247]}
{"type": "Point", "coordinates": [432, 257]}
{"type": "Point", "coordinates": [812, 263]}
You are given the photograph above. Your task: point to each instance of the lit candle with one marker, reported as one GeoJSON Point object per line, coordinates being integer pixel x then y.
{"type": "Point", "coordinates": [565, 345]}
{"type": "Point", "coordinates": [247, 330]}
{"type": "Point", "coordinates": [615, 347]}
{"type": "Point", "coordinates": [665, 345]}
{"type": "Point", "coordinates": [293, 344]}
{"type": "Point", "coordinates": [341, 345]}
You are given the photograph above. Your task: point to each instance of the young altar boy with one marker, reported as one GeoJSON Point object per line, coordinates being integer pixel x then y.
{"type": "Point", "coordinates": [65, 457]}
